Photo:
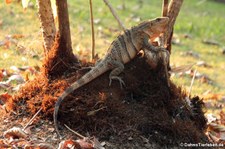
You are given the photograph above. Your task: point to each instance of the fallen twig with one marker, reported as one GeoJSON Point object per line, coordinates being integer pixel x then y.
{"type": "Point", "coordinates": [92, 31]}
{"type": "Point", "coordinates": [32, 119]}
{"type": "Point", "coordinates": [90, 113]}
{"type": "Point", "coordinates": [76, 133]}
{"type": "Point", "coordinates": [192, 82]}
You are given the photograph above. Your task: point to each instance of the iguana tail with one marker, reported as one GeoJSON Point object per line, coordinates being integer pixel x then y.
{"type": "Point", "coordinates": [89, 76]}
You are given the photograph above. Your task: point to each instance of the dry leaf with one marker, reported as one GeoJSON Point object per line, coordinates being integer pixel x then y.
{"type": "Point", "coordinates": [21, 143]}
{"type": "Point", "coordinates": [39, 146]}
{"type": "Point", "coordinates": [15, 69]}
{"type": "Point", "coordinates": [5, 44]}
{"type": "Point", "coordinates": [4, 85]}
{"type": "Point", "coordinates": [25, 3]}
{"type": "Point", "coordinates": [17, 36]}
{"type": "Point", "coordinates": [102, 96]}
{"type": "Point", "coordinates": [18, 78]}
{"type": "Point", "coordinates": [204, 79]}
{"type": "Point", "coordinates": [182, 69]}
{"type": "Point", "coordinates": [27, 76]}
{"type": "Point", "coordinates": [5, 97]}
{"type": "Point", "coordinates": [85, 144]}
{"type": "Point", "coordinates": [191, 53]}
{"type": "Point", "coordinates": [97, 144]}
{"type": "Point", "coordinates": [211, 96]}
{"type": "Point", "coordinates": [176, 40]}
{"type": "Point", "coordinates": [69, 144]}
{"type": "Point", "coordinates": [97, 20]}
{"type": "Point", "coordinates": [213, 136]}
{"type": "Point", "coordinates": [209, 104]}
{"type": "Point", "coordinates": [8, 1]}
{"type": "Point", "coordinates": [14, 133]}
{"type": "Point", "coordinates": [4, 145]}
{"type": "Point", "coordinates": [210, 42]}
{"type": "Point", "coordinates": [222, 118]}
{"type": "Point", "coordinates": [216, 127]}
{"type": "Point", "coordinates": [1, 75]}
{"type": "Point", "coordinates": [2, 43]}
{"type": "Point", "coordinates": [217, 136]}
{"type": "Point", "coordinates": [203, 64]}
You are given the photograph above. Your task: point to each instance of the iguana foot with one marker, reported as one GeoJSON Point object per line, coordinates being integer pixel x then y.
{"type": "Point", "coordinates": [116, 78]}
{"type": "Point", "coordinates": [118, 67]}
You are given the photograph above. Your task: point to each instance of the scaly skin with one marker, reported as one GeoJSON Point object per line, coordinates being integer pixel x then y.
{"type": "Point", "coordinates": [122, 50]}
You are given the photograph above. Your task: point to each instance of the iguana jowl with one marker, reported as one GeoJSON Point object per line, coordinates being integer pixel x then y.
{"type": "Point", "coordinates": [122, 50]}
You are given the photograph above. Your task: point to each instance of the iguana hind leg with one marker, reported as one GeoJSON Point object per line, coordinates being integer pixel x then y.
{"type": "Point", "coordinates": [118, 67]}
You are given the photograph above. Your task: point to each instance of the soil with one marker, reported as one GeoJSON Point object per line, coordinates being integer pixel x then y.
{"type": "Point", "coordinates": [146, 113]}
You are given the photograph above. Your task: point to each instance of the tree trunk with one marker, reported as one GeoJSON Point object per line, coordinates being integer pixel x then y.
{"type": "Point", "coordinates": [64, 26]}
{"type": "Point", "coordinates": [165, 8]}
{"type": "Point", "coordinates": [60, 58]}
{"type": "Point", "coordinates": [47, 23]}
{"type": "Point", "coordinates": [173, 11]}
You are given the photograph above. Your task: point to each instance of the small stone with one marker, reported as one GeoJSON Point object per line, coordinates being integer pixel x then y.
{"type": "Point", "coordinates": [51, 129]}
{"type": "Point", "coordinates": [130, 138]}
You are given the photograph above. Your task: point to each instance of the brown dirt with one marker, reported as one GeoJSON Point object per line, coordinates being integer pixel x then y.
{"type": "Point", "coordinates": [144, 114]}
{"type": "Point", "coordinates": [58, 60]}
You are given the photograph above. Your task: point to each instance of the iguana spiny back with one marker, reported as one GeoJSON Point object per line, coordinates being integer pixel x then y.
{"type": "Point", "coordinates": [122, 50]}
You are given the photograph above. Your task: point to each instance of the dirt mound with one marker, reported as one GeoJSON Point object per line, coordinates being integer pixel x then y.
{"type": "Point", "coordinates": [144, 114]}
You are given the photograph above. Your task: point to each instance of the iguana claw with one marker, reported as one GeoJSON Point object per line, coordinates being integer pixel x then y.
{"type": "Point", "coordinates": [116, 78]}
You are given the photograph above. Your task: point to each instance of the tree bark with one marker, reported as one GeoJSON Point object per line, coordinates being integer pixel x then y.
{"type": "Point", "coordinates": [165, 8]}
{"type": "Point", "coordinates": [47, 23]}
{"type": "Point", "coordinates": [173, 11]}
{"type": "Point", "coordinates": [64, 25]}
{"type": "Point", "coordinates": [60, 58]}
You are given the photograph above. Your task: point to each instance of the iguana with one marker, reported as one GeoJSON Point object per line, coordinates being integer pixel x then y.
{"type": "Point", "coordinates": [122, 50]}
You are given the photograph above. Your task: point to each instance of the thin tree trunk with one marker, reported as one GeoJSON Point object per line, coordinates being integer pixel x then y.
{"type": "Point", "coordinates": [173, 11]}
{"type": "Point", "coordinates": [47, 23]}
{"type": "Point", "coordinates": [64, 25]}
{"type": "Point", "coordinates": [164, 14]}
{"type": "Point", "coordinates": [61, 58]}
{"type": "Point", "coordinates": [165, 8]}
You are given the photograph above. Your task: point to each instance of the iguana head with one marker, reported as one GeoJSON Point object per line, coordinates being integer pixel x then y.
{"type": "Point", "coordinates": [155, 27]}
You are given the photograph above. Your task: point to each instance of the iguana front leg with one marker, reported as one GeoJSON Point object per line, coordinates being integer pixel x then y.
{"type": "Point", "coordinates": [153, 54]}
{"type": "Point", "coordinates": [149, 46]}
{"type": "Point", "coordinates": [118, 67]}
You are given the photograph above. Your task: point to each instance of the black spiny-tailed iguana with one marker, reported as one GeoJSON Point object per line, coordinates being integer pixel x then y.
{"type": "Point", "coordinates": [122, 50]}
